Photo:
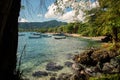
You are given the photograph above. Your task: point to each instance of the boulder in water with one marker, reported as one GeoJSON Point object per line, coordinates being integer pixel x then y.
{"type": "Point", "coordinates": [52, 78]}
{"type": "Point", "coordinates": [64, 76]}
{"type": "Point", "coordinates": [68, 63]}
{"type": "Point", "coordinates": [40, 74]}
{"type": "Point", "coordinates": [51, 66]}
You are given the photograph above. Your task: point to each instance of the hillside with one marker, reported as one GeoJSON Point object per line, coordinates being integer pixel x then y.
{"type": "Point", "coordinates": [30, 25]}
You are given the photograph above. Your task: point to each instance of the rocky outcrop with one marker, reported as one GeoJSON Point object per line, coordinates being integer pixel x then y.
{"type": "Point", "coordinates": [96, 62]}
{"type": "Point", "coordinates": [84, 58]}
{"type": "Point", "coordinates": [92, 57]}
{"type": "Point", "coordinates": [92, 62]}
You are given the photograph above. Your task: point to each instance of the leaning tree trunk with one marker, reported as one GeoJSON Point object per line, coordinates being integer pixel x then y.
{"type": "Point", "coordinates": [115, 34]}
{"type": "Point", "coordinates": [115, 37]}
{"type": "Point", "coordinates": [9, 12]}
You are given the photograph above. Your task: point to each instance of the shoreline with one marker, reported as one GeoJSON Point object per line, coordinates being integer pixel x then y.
{"type": "Point", "coordinates": [97, 38]}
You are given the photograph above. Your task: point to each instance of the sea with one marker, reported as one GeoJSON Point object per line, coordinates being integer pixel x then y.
{"type": "Point", "coordinates": [35, 53]}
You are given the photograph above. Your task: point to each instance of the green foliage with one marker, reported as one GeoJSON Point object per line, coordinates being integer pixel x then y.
{"type": "Point", "coordinates": [119, 35]}
{"type": "Point", "coordinates": [106, 18]}
{"type": "Point", "coordinates": [50, 30]}
{"type": "Point", "coordinates": [107, 77]}
{"type": "Point", "coordinates": [82, 28]}
{"type": "Point", "coordinates": [69, 28]}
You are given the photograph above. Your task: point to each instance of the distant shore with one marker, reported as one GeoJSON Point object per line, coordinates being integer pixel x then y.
{"type": "Point", "coordinates": [97, 38]}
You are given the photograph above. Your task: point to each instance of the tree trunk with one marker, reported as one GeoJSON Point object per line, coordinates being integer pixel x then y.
{"type": "Point", "coordinates": [115, 38]}
{"type": "Point", "coordinates": [115, 34]}
{"type": "Point", "coordinates": [9, 12]}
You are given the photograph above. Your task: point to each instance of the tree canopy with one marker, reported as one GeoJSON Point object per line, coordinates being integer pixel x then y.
{"type": "Point", "coordinates": [107, 17]}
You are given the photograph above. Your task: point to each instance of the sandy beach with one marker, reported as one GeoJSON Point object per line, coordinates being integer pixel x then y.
{"type": "Point", "coordinates": [98, 38]}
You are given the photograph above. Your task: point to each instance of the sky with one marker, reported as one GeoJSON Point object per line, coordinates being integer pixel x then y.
{"type": "Point", "coordinates": [34, 11]}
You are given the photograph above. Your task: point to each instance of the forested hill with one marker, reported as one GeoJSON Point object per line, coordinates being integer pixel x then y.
{"type": "Point", "coordinates": [30, 25]}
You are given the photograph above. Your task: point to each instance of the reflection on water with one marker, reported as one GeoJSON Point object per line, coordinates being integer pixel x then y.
{"type": "Point", "coordinates": [40, 51]}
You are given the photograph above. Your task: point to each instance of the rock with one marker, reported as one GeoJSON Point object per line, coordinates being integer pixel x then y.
{"type": "Point", "coordinates": [51, 66]}
{"type": "Point", "coordinates": [84, 58]}
{"type": "Point", "coordinates": [94, 56]}
{"type": "Point", "coordinates": [107, 38]}
{"type": "Point", "coordinates": [114, 62]}
{"type": "Point", "coordinates": [74, 77]}
{"type": "Point", "coordinates": [64, 76]}
{"type": "Point", "coordinates": [76, 67]}
{"type": "Point", "coordinates": [40, 74]}
{"type": "Point", "coordinates": [95, 62]}
{"type": "Point", "coordinates": [107, 68]}
{"type": "Point", "coordinates": [52, 78]}
{"type": "Point", "coordinates": [100, 56]}
{"type": "Point", "coordinates": [68, 64]}
{"type": "Point", "coordinates": [78, 77]}
{"type": "Point", "coordinates": [92, 71]}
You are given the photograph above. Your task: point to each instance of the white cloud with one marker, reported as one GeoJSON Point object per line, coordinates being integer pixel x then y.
{"type": "Point", "coordinates": [22, 20]}
{"type": "Point", "coordinates": [51, 11]}
{"type": "Point", "coordinates": [71, 16]}
{"type": "Point", "coordinates": [95, 4]}
{"type": "Point", "coordinates": [81, 16]}
{"type": "Point", "coordinates": [39, 15]}
{"type": "Point", "coordinates": [67, 16]}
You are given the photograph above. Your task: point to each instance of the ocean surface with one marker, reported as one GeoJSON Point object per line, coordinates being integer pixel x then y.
{"type": "Point", "coordinates": [36, 53]}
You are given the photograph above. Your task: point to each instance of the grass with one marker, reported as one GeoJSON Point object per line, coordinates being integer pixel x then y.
{"type": "Point", "coordinates": [107, 77]}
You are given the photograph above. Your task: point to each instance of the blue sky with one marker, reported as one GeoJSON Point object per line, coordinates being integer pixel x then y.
{"type": "Point", "coordinates": [33, 12]}
{"type": "Point", "coordinates": [38, 12]}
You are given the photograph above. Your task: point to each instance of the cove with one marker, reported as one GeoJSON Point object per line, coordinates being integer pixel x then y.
{"type": "Point", "coordinates": [40, 51]}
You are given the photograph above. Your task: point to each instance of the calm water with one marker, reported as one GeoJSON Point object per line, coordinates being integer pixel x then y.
{"type": "Point", "coordinates": [38, 52]}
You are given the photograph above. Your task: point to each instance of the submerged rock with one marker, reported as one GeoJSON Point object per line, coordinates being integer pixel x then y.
{"type": "Point", "coordinates": [51, 66]}
{"type": "Point", "coordinates": [68, 63]}
{"type": "Point", "coordinates": [64, 76]}
{"type": "Point", "coordinates": [40, 74]}
{"type": "Point", "coordinates": [52, 78]}
{"type": "Point", "coordinates": [52, 74]}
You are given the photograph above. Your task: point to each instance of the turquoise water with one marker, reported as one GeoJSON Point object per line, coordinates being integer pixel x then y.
{"type": "Point", "coordinates": [38, 52]}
